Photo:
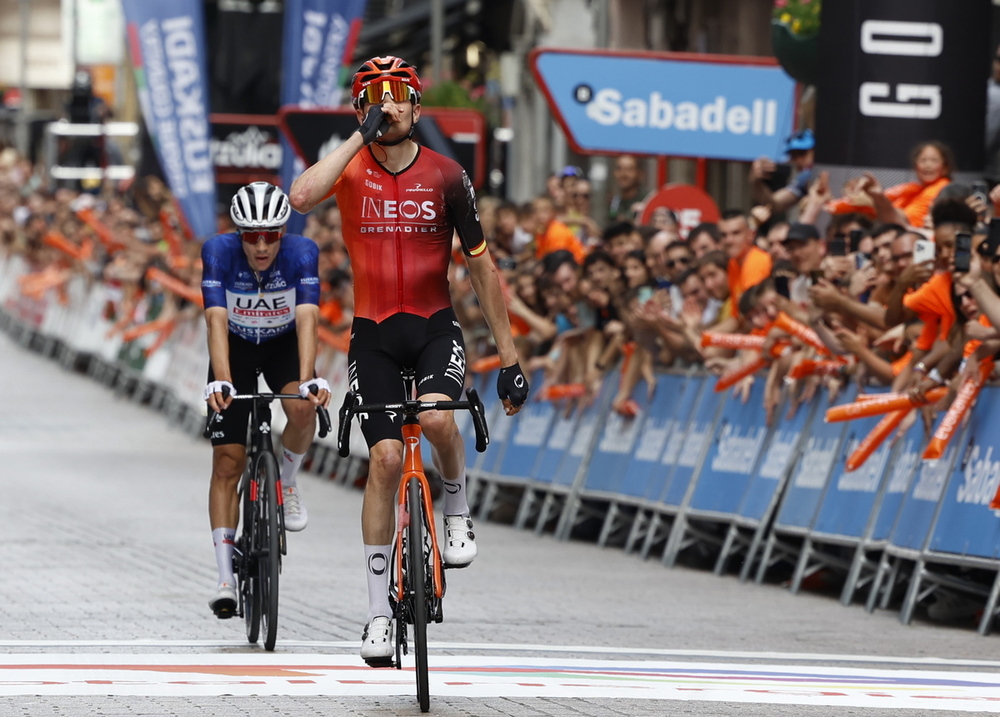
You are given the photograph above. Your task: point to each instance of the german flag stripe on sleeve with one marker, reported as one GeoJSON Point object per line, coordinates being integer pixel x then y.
{"type": "Point", "coordinates": [479, 249]}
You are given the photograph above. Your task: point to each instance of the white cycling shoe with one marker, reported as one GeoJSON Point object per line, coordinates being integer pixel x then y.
{"type": "Point", "coordinates": [224, 602]}
{"type": "Point", "coordinates": [296, 515]}
{"type": "Point", "coordinates": [377, 647]}
{"type": "Point", "coordinates": [459, 542]}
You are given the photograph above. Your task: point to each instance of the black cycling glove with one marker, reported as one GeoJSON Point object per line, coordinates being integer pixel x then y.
{"type": "Point", "coordinates": [375, 125]}
{"type": "Point", "coordinates": [512, 384]}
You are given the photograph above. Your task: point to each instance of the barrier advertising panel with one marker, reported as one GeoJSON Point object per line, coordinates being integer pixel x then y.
{"type": "Point", "coordinates": [733, 455]}
{"type": "Point", "coordinates": [644, 476]}
{"type": "Point", "coordinates": [902, 467]}
{"type": "Point", "coordinates": [965, 524]}
{"type": "Point", "coordinates": [615, 445]}
{"type": "Point", "coordinates": [700, 429]}
{"type": "Point", "coordinates": [524, 446]}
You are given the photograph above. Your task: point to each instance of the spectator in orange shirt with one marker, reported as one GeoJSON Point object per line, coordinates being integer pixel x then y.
{"type": "Point", "coordinates": [551, 234]}
{"type": "Point", "coordinates": [748, 265]}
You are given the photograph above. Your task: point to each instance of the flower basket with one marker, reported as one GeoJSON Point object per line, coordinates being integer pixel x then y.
{"type": "Point", "coordinates": [797, 54]}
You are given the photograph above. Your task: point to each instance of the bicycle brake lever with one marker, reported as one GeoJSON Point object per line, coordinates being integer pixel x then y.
{"type": "Point", "coordinates": [324, 421]}
{"type": "Point", "coordinates": [346, 414]}
{"type": "Point", "coordinates": [478, 420]}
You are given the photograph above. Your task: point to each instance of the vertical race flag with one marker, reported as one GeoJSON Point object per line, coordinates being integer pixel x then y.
{"type": "Point", "coordinates": [897, 73]}
{"type": "Point", "coordinates": [320, 36]}
{"type": "Point", "coordinates": [167, 45]}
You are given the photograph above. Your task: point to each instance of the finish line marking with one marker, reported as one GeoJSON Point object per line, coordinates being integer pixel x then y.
{"type": "Point", "coordinates": [495, 676]}
{"type": "Point", "coordinates": [351, 647]}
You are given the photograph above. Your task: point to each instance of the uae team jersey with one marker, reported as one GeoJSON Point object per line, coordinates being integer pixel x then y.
{"type": "Point", "coordinates": [398, 229]}
{"type": "Point", "coordinates": [260, 307]}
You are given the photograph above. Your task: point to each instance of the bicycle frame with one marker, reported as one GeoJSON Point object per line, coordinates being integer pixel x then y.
{"type": "Point", "coordinates": [413, 469]}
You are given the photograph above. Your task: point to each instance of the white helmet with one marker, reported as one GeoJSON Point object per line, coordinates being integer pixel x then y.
{"type": "Point", "coordinates": [260, 205]}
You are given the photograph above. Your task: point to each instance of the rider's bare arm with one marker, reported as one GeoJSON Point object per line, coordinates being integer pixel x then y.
{"type": "Point", "coordinates": [486, 284]}
{"type": "Point", "coordinates": [315, 184]}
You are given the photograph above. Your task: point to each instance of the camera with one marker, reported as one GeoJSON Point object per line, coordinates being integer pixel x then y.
{"type": "Point", "coordinates": [981, 191]}
{"type": "Point", "coordinates": [963, 251]}
{"type": "Point", "coordinates": [856, 236]}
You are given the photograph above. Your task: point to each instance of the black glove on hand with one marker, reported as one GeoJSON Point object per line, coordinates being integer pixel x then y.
{"type": "Point", "coordinates": [375, 125]}
{"type": "Point", "coordinates": [511, 384]}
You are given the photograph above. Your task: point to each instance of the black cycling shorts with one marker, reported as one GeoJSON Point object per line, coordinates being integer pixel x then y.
{"type": "Point", "coordinates": [278, 360]}
{"type": "Point", "coordinates": [432, 347]}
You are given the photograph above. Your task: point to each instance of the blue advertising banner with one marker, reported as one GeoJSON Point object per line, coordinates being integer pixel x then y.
{"type": "Point", "coordinates": [319, 38]}
{"type": "Point", "coordinates": [850, 496]}
{"type": "Point", "coordinates": [902, 467]}
{"type": "Point", "coordinates": [733, 455]}
{"type": "Point", "coordinates": [644, 477]}
{"type": "Point", "coordinates": [615, 445]}
{"type": "Point", "coordinates": [167, 46]}
{"type": "Point", "coordinates": [916, 514]}
{"type": "Point", "coordinates": [586, 427]}
{"type": "Point", "coordinates": [699, 432]}
{"type": "Point", "coordinates": [530, 432]}
{"type": "Point", "coordinates": [820, 454]}
{"type": "Point", "coordinates": [966, 525]}
{"type": "Point", "coordinates": [778, 460]}
{"type": "Point", "coordinates": [668, 103]}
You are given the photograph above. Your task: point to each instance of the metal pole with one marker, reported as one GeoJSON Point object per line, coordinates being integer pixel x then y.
{"type": "Point", "coordinates": [437, 39]}
{"type": "Point", "coordinates": [23, 139]}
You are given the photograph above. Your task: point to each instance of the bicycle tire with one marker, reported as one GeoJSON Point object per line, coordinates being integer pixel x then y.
{"type": "Point", "coordinates": [417, 577]}
{"type": "Point", "coordinates": [269, 562]}
{"type": "Point", "coordinates": [249, 593]}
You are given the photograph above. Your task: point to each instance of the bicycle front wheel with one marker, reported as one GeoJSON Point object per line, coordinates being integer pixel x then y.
{"type": "Point", "coordinates": [269, 541]}
{"type": "Point", "coordinates": [247, 563]}
{"type": "Point", "coordinates": [416, 569]}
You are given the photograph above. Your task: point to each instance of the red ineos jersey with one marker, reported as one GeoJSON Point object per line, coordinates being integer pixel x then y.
{"type": "Point", "coordinates": [398, 229]}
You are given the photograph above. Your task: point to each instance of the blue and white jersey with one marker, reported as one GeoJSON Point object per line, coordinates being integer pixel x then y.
{"type": "Point", "coordinates": [260, 307]}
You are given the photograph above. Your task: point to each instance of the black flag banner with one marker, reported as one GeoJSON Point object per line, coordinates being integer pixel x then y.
{"type": "Point", "coordinates": [893, 74]}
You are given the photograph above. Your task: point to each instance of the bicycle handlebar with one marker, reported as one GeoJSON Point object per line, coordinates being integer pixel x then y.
{"type": "Point", "coordinates": [351, 407]}
{"type": "Point", "coordinates": [325, 426]}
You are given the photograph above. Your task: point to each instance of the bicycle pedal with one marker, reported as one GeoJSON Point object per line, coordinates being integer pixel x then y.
{"type": "Point", "coordinates": [380, 662]}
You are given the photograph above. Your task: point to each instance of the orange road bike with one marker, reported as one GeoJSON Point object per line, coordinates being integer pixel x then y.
{"type": "Point", "coordinates": [260, 542]}
{"type": "Point", "coordinates": [417, 585]}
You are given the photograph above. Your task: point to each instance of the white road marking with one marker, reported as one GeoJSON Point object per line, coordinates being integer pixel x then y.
{"type": "Point", "coordinates": [305, 674]}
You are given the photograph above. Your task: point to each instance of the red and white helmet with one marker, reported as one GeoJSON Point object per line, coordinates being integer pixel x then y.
{"type": "Point", "coordinates": [391, 70]}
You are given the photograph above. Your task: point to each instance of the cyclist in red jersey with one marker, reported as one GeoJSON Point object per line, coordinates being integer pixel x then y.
{"type": "Point", "coordinates": [401, 204]}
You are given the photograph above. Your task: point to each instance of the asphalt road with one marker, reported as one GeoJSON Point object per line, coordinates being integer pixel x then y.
{"type": "Point", "coordinates": [108, 565]}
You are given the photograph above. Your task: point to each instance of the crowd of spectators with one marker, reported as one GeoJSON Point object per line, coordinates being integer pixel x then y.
{"type": "Point", "coordinates": [594, 293]}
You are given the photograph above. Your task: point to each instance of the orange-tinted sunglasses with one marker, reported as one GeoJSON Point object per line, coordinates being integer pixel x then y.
{"type": "Point", "coordinates": [398, 91]}
{"type": "Point", "coordinates": [252, 236]}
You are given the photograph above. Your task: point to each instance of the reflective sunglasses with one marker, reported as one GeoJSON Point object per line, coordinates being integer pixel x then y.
{"type": "Point", "coordinates": [671, 263]}
{"type": "Point", "coordinates": [398, 91]}
{"type": "Point", "coordinates": [252, 236]}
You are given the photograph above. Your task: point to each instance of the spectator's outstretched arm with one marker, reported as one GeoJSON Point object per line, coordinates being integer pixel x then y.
{"type": "Point", "coordinates": [829, 298]}
{"type": "Point", "coordinates": [989, 302]}
{"type": "Point", "coordinates": [877, 366]}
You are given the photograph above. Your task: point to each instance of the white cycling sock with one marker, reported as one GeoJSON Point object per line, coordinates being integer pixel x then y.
{"type": "Point", "coordinates": [224, 539]}
{"type": "Point", "coordinates": [455, 500]}
{"type": "Point", "coordinates": [377, 569]}
{"type": "Point", "coordinates": [290, 463]}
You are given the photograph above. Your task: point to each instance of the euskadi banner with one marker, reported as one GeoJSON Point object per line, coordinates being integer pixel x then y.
{"type": "Point", "coordinates": [167, 44]}
{"type": "Point", "coordinates": [669, 104]}
{"type": "Point", "coordinates": [319, 40]}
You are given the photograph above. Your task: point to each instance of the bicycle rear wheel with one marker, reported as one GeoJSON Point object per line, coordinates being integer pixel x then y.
{"type": "Point", "coordinates": [247, 565]}
{"type": "Point", "coordinates": [269, 560]}
{"type": "Point", "coordinates": [417, 577]}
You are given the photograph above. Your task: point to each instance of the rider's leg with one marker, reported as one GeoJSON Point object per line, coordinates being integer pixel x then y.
{"type": "Point", "coordinates": [378, 520]}
{"type": "Point", "coordinates": [448, 454]}
{"type": "Point", "coordinates": [223, 511]}
{"type": "Point", "coordinates": [295, 441]}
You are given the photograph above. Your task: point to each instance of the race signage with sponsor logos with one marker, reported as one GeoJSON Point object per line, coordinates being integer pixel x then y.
{"type": "Point", "coordinates": [668, 103]}
{"type": "Point", "coordinates": [898, 73]}
{"type": "Point", "coordinates": [246, 148]}
{"type": "Point", "coordinates": [456, 133]}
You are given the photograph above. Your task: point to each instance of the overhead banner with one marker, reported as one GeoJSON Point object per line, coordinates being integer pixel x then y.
{"type": "Point", "coordinates": [319, 40]}
{"type": "Point", "coordinates": [167, 45]}
{"type": "Point", "coordinates": [897, 73]}
{"type": "Point", "coordinates": [670, 104]}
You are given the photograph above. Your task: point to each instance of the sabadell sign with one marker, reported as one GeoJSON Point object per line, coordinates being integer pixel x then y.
{"type": "Point", "coordinates": [684, 105]}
